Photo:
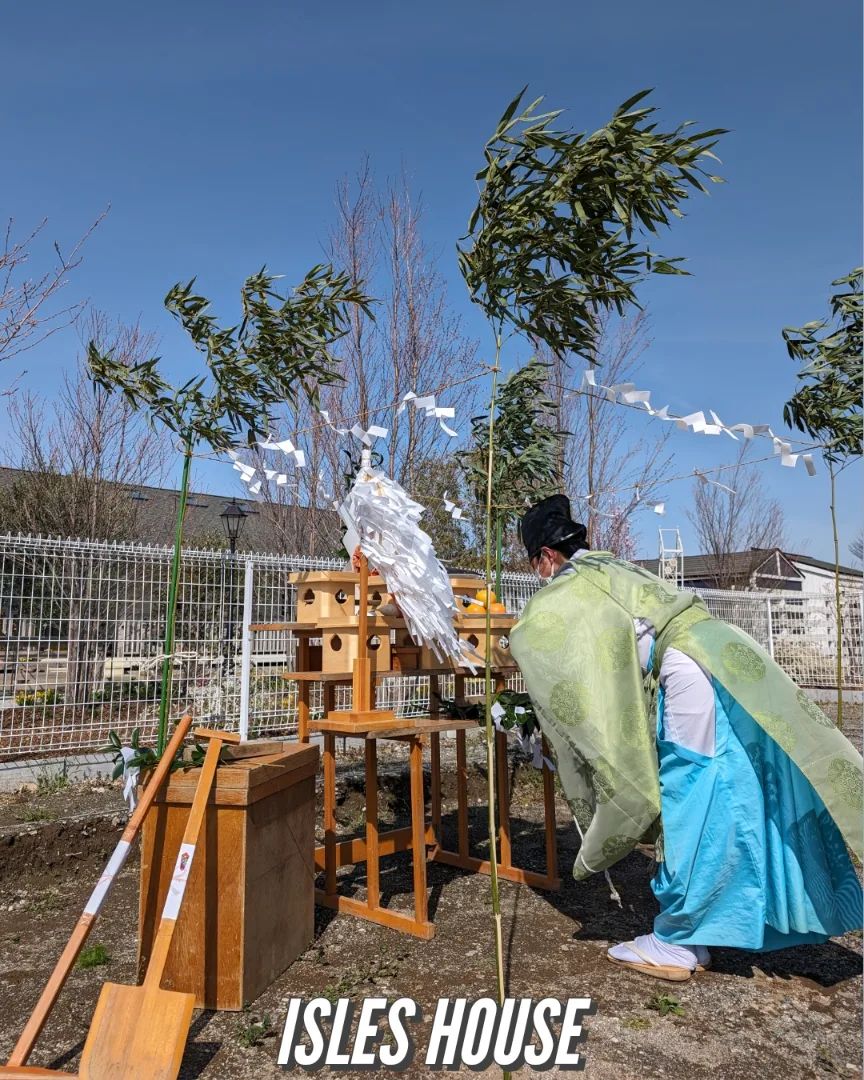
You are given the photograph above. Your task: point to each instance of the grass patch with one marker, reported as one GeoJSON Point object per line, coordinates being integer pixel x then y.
{"type": "Point", "coordinates": [636, 1023]}
{"type": "Point", "coordinates": [45, 903]}
{"type": "Point", "coordinates": [93, 956]}
{"type": "Point", "coordinates": [252, 1031]}
{"type": "Point", "coordinates": [34, 813]}
{"type": "Point", "coordinates": [341, 989]}
{"type": "Point", "coordinates": [665, 1005]}
{"type": "Point", "coordinates": [49, 783]}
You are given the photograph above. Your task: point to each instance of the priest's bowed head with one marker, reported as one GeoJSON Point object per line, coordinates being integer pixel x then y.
{"type": "Point", "coordinates": [548, 524]}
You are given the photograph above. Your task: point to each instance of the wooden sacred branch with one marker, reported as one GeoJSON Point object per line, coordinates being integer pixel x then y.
{"type": "Point", "coordinates": [359, 648]}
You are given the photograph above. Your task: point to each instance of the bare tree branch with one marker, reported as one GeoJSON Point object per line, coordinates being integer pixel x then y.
{"type": "Point", "coordinates": [726, 523]}
{"type": "Point", "coordinates": [600, 453]}
{"type": "Point", "coordinates": [27, 312]}
{"type": "Point", "coordinates": [415, 343]}
{"type": "Point", "coordinates": [79, 455]}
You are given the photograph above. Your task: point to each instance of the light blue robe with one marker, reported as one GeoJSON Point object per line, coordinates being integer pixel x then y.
{"type": "Point", "coordinates": [751, 857]}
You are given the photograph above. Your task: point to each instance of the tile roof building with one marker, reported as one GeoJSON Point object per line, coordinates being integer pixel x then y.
{"type": "Point", "coordinates": [761, 569]}
{"type": "Point", "coordinates": [267, 528]}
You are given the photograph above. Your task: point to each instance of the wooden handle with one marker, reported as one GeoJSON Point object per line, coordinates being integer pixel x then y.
{"type": "Point", "coordinates": [212, 733]}
{"type": "Point", "coordinates": [363, 623]}
{"type": "Point", "coordinates": [33, 1028]}
{"type": "Point", "coordinates": [183, 865]}
{"type": "Point", "coordinates": [158, 776]}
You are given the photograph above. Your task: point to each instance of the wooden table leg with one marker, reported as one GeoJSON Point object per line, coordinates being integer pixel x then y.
{"type": "Point", "coordinates": [418, 832]}
{"type": "Point", "coordinates": [459, 686]}
{"type": "Point", "coordinates": [304, 696]}
{"type": "Point", "coordinates": [504, 852]}
{"type": "Point", "coordinates": [549, 811]}
{"type": "Point", "coordinates": [373, 889]}
{"type": "Point", "coordinates": [329, 813]}
{"type": "Point", "coordinates": [462, 793]}
{"type": "Point", "coordinates": [435, 792]}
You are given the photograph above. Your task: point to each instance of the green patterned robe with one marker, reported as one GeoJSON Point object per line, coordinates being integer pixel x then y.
{"type": "Point", "coordinates": [576, 646]}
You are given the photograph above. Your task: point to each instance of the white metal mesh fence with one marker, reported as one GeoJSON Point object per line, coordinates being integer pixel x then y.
{"type": "Point", "coordinates": [82, 628]}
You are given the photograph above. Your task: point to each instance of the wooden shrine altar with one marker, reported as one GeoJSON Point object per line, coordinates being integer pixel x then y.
{"type": "Point", "coordinates": [360, 645]}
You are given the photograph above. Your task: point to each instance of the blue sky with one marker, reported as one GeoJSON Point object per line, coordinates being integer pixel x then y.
{"type": "Point", "coordinates": [218, 130]}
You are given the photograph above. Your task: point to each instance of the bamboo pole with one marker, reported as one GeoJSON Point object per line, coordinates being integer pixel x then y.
{"type": "Point", "coordinates": [490, 729]}
{"type": "Point", "coordinates": [499, 543]}
{"type": "Point", "coordinates": [837, 595]}
{"type": "Point", "coordinates": [171, 609]}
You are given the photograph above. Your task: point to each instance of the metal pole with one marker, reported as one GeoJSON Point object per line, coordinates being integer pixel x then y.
{"type": "Point", "coordinates": [246, 654]}
{"type": "Point", "coordinates": [229, 629]}
{"type": "Point", "coordinates": [770, 629]}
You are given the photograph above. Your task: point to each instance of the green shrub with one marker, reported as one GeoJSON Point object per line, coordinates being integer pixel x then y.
{"type": "Point", "coordinates": [49, 696]}
{"type": "Point", "coordinates": [128, 691]}
{"type": "Point", "coordinates": [93, 956]}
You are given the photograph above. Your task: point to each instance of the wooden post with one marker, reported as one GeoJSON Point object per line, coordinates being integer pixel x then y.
{"type": "Point", "coordinates": [418, 832]}
{"type": "Point", "coordinates": [329, 814]}
{"type": "Point", "coordinates": [373, 890]}
{"type": "Point", "coordinates": [462, 793]}
{"type": "Point", "coordinates": [362, 669]}
{"type": "Point", "coordinates": [304, 692]}
{"type": "Point", "coordinates": [435, 785]}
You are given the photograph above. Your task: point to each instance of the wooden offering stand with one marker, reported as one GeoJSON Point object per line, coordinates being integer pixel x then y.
{"type": "Point", "coordinates": [379, 646]}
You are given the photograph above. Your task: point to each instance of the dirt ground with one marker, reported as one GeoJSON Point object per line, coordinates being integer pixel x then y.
{"type": "Point", "coordinates": [795, 1013]}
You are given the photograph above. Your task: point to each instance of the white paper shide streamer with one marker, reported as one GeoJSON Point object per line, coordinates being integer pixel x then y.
{"type": "Point", "coordinates": [387, 521]}
{"type": "Point", "coordinates": [626, 393]}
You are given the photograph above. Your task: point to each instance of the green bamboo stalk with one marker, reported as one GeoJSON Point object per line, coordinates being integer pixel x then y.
{"type": "Point", "coordinates": [171, 610]}
{"type": "Point", "coordinates": [837, 595]}
{"type": "Point", "coordinates": [499, 543]}
{"type": "Point", "coordinates": [490, 728]}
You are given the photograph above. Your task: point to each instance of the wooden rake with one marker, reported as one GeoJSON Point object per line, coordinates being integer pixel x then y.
{"type": "Point", "coordinates": [139, 1032]}
{"type": "Point", "coordinates": [38, 1018]}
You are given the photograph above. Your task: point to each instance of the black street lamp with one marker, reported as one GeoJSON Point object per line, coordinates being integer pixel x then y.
{"type": "Point", "coordinates": [232, 518]}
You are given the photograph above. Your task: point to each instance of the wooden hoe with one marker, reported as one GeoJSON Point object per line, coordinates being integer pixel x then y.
{"type": "Point", "coordinates": [139, 1032]}
{"type": "Point", "coordinates": [38, 1018]}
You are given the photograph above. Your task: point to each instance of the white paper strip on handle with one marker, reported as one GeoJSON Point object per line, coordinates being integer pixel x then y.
{"type": "Point", "coordinates": [115, 865]}
{"type": "Point", "coordinates": [178, 882]}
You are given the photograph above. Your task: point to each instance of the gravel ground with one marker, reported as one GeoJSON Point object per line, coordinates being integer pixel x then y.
{"type": "Point", "coordinates": [795, 1013]}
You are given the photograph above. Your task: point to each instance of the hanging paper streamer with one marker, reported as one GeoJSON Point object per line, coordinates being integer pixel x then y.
{"type": "Point", "coordinates": [246, 471]}
{"type": "Point", "coordinates": [790, 460]}
{"type": "Point", "coordinates": [627, 394]}
{"type": "Point", "coordinates": [339, 431]}
{"type": "Point", "coordinates": [367, 437]}
{"type": "Point", "coordinates": [387, 521]}
{"type": "Point", "coordinates": [325, 488]}
{"type": "Point", "coordinates": [452, 509]}
{"type": "Point", "coordinates": [436, 412]}
{"type": "Point", "coordinates": [287, 447]}
{"type": "Point", "coordinates": [707, 480]}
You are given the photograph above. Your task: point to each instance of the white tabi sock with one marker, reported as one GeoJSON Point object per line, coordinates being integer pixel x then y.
{"type": "Point", "coordinates": [655, 951]}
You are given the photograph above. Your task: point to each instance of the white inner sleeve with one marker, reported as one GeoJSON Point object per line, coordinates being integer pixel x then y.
{"type": "Point", "coordinates": [688, 693]}
{"type": "Point", "coordinates": [688, 703]}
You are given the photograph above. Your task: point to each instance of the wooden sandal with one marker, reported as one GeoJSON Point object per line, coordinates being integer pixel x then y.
{"type": "Point", "coordinates": [668, 972]}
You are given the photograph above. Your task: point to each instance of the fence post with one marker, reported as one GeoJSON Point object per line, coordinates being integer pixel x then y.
{"type": "Point", "coordinates": [246, 649]}
{"type": "Point", "coordinates": [770, 628]}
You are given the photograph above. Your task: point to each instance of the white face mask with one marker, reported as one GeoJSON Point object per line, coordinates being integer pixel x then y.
{"type": "Point", "coordinates": [543, 580]}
